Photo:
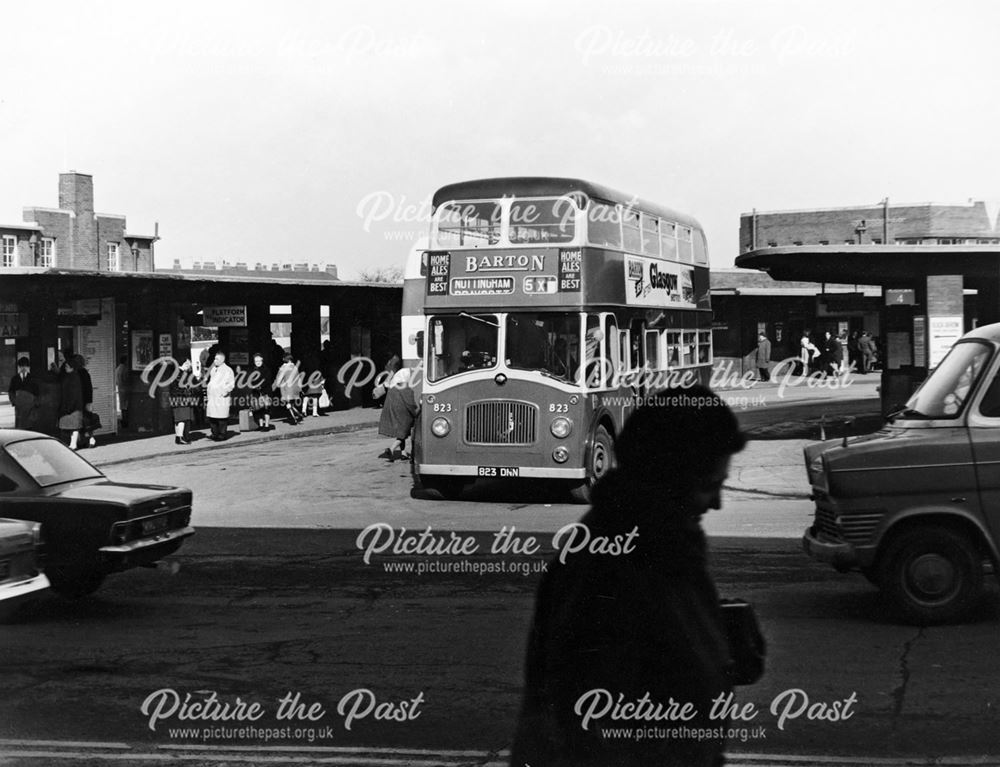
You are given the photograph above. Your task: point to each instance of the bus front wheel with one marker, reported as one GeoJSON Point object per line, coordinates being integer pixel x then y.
{"type": "Point", "coordinates": [449, 488]}
{"type": "Point", "coordinates": [600, 460]}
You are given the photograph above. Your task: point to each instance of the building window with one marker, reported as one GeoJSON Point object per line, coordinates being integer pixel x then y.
{"type": "Point", "coordinates": [114, 257]}
{"type": "Point", "coordinates": [824, 242]}
{"type": "Point", "coordinates": [47, 255]}
{"type": "Point", "coordinates": [9, 250]}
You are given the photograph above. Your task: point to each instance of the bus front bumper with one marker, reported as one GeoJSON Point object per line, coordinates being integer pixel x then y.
{"type": "Point", "coordinates": [533, 472]}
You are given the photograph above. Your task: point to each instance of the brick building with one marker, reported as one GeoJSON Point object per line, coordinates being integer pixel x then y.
{"type": "Point", "coordinates": [972, 223]}
{"type": "Point", "coordinates": [73, 236]}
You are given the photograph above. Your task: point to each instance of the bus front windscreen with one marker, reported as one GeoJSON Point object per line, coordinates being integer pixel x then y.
{"type": "Point", "coordinates": [548, 342]}
{"type": "Point", "coordinates": [461, 342]}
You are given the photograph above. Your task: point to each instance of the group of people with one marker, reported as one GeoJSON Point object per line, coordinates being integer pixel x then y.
{"type": "Point", "coordinates": [292, 387]}
{"type": "Point", "coordinates": [77, 420]}
{"type": "Point", "coordinates": [836, 354]}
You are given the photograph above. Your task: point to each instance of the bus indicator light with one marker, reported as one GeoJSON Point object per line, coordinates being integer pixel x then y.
{"type": "Point", "coordinates": [560, 454]}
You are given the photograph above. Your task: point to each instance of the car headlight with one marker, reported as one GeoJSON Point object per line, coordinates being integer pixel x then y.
{"type": "Point", "coordinates": [560, 454]}
{"type": "Point", "coordinates": [561, 427]}
{"type": "Point", "coordinates": [440, 427]}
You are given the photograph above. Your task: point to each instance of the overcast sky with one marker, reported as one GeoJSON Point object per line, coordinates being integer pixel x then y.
{"type": "Point", "coordinates": [314, 131]}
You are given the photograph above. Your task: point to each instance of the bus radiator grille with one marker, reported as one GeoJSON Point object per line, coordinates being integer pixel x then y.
{"type": "Point", "coordinates": [501, 422]}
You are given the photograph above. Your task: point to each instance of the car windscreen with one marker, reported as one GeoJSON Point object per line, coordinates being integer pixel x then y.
{"type": "Point", "coordinates": [50, 462]}
{"type": "Point", "coordinates": [945, 393]}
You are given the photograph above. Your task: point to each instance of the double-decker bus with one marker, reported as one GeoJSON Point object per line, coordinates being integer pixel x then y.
{"type": "Point", "coordinates": [547, 305]}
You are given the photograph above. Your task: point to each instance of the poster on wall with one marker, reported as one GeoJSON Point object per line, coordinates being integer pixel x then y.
{"type": "Point", "coordinates": [239, 347]}
{"type": "Point", "coordinates": [142, 348]}
{"type": "Point", "coordinates": [166, 345]}
{"type": "Point", "coordinates": [942, 333]}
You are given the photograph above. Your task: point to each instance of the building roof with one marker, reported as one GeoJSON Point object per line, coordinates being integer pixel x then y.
{"type": "Point", "coordinates": [165, 276]}
{"type": "Point", "coordinates": [26, 227]}
{"type": "Point", "coordinates": [893, 265]}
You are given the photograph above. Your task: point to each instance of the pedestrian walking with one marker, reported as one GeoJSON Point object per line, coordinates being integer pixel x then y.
{"type": "Point", "coordinates": [809, 352]}
{"type": "Point", "coordinates": [220, 383]}
{"type": "Point", "coordinates": [289, 385]}
{"type": "Point", "coordinates": [312, 386]}
{"type": "Point", "coordinates": [70, 403]}
{"type": "Point", "coordinates": [843, 354]}
{"type": "Point", "coordinates": [23, 393]}
{"type": "Point", "coordinates": [645, 624]}
{"type": "Point", "coordinates": [185, 393]}
{"type": "Point", "coordinates": [399, 412]}
{"type": "Point", "coordinates": [762, 357]}
{"type": "Point", "coordinates": [259, 383]}
{"type": "Point", "coordinates": [90, 419]}
{"type": "Point", "coordinates": [867, 351]}
{"type": "Point", "coordinates": [854, 351]}
{"type": "Point", "coordinates": [123, 388]}
{"type": "Point", "coordinates": [831, 354]}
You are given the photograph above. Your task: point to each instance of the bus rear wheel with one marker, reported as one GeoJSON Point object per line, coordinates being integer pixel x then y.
{"type": "Point", "coordinates": [600, 461]}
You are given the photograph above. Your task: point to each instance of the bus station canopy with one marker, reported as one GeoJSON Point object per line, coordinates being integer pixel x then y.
{"type": "Point", "coordinates": [885, 265]}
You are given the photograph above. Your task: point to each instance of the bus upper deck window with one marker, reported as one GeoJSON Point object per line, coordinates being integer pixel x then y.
{"type": "Point", "coordinates": [668, 240]}
{"type": "Point", "coordinates": [604, 226]}
{"type": "Point", "coordinates": [468, 224]}
{"type": "Point", "coordinates": [551, 219]}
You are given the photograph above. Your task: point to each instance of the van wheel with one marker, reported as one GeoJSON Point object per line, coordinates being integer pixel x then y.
{"type": "Point", "coordinates": [932, 575]}
{"type": "Point", "coordinates": [74, 583]}
{"type": "Point", "coordinates": [600, 461]}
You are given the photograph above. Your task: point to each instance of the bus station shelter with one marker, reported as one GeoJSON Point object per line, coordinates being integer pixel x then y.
{"type": "Point", "coordinates": [923, 311]}
{"type": "Point", "coordinates": [140, 316]}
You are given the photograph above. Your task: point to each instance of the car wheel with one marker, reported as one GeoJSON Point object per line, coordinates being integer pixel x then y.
{"type": "Point", "coordinates": [600, 460]}
{"type": "Point", "coordinates": [74, 583]}
{"type": "Point", "coordinates": [932, 575]}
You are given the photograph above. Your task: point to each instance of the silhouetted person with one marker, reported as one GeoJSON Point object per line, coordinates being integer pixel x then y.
{"type": "Point", "coordinates": [647, 622]}
{"type": "Point", "coordinates": [23, 393]}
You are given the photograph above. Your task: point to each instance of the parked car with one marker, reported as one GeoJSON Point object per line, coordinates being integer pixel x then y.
{"type": "Point", "coordinates": [20, 577]}
{"type": "Point", "coordinates": [90, 525]}
{"type": "Point", "coordinates": [916, 505]}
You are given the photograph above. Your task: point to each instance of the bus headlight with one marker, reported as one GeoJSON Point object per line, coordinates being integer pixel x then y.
{"type": "Point", "coordinates": [560, 454]}
{"type": "Point", "coordinates": [561, 427]}
{"type": "Point", "coordinates": [440, 427]}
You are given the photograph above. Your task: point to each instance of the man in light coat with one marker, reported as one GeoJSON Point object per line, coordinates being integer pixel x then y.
{"type": "Point", "coordinates": [762, 357]}
{"type": "Point", "coordinates": [221, 381]}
